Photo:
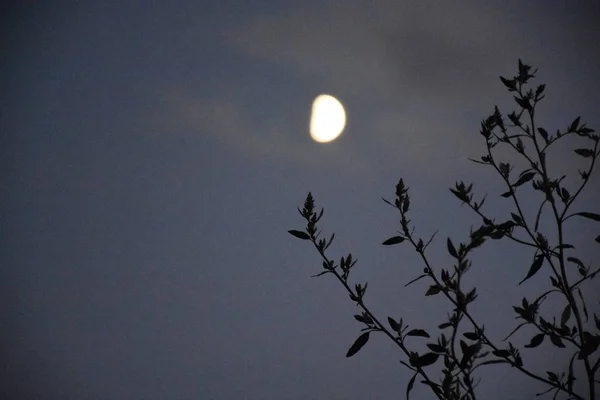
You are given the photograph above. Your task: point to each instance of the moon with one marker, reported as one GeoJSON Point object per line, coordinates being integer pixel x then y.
{"type": "Point", "coordinates": [328, 118]}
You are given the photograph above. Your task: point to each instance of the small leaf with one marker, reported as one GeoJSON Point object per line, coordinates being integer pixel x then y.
{"type": "Point", "coordinates": [566, 314]}
{"type": "Point", "coordinates": [565, 246]}
{"type": "Point", "coordinates": [585, 152]}
{"type": "Point", "coordinates": [506, 194]}
{"type": "Point", "coordinates": [524, 178]}
{"type": "Point", "coordinates": [518, 361]}
{"type": "Point", "coordinates": [540, 90]}
{"type": "Point", "coordinates": [597, 239]}
{"type": "Point", "coordinates": [364, 318]}
{"type": "Point", "coordinates": [451, 248]}
{"type": "Point", "coordinates": [494, 362]}
{"type": "Point", "coordinates": [394, 240]}
{"type": "Point", "coordinates": [523, 102]}
{"type": "Point", "coordinates": [434, 289]}
{"type": "Point", "coordinates": [468, 353]}
{"type": "Point", "coordinates": [535, 341]}
{"type": "Point", "coordinates": [508, 83]}
{"type": "Point", "coordinates": [564, 194]}
{"type": "Point", "coordinates": [358, 344]}
{"type": "Point", "coordinates": [518, 220]}
{"type": "Point", "coordinates": [300, 234]}
{"type": "Point", "coordinates": [418, 332]}
{"type": "Point", "coordinates": [535, 267]}
{"type": "Point", "coordinates": [436, 348]}
{"type": "Point", "coordinates": [425, 360]}
{"type": "Point", "coordinates": [597, 322]}
{"type": "Point", "coordinates": [416, 279]}
{"type": "Point", "coordinates": [393, 324]}
{"type": "Point", "coordinates": [590, 345]}
{"type": "Point", "coordinates": [556, 341]}
{"type": "Point", "coordinates": [471, 335]}
{"type": "Point", "coordinates": [410, 385]}
{"type": "Point", "coordinates": [577, 261]}
{"type": "Point", "coordinates": [543, 133]}
{"type": "Point", "coordinates": [574, 125]}
{"type": "Point", "coordinates": [595, 217]}
{"type": "Point", "coordinates": [501, 353]}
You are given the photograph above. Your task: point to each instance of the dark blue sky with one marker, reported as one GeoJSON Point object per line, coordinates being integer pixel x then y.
{"type": "Point", "coordinates": [154, 154]}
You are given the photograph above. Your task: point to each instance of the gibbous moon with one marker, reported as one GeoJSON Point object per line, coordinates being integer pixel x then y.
{"type": "Point", "coordinates": [327, 119]}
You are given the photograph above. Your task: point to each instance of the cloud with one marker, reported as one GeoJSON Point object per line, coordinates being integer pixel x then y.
{"type": "Point", "coordinates": [225, 120]}
{"type": "Point", "coordinates": [401, 68]}
{"type": "Point", "coordinates": [416, 80]}
{"type": "Point", "coordinates": [429, 48]}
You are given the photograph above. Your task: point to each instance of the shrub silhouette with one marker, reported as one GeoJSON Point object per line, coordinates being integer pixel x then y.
{"type": "Point", "coordinates": [462, 354]}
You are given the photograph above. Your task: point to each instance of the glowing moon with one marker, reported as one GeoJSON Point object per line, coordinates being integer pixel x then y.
{"type": "Point", "coordinates": [327, 119]}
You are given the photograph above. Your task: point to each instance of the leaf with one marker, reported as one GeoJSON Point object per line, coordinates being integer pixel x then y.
{"type": "Point", "coordinates": [577, 261]}
{"type": "Point", "coordinates": [358, 344]}
{"type": "Point", "coordinates": [418, 332]}
{"type": "Point", "coordinates": [518, 220]}
{"type": "Point", "coordinates": [566, 314]}
{"type": "Point", "coordinates": [585, 152]}
{"type": "Point", "coordinates": [518, 360]}
{"type": "Point", "coordinates": [506, 194]}
{"type": "Point", "coordinates": [494, 362]}
{"type": "Point", "coordinates": [540, 90]}
{"type": "Point", "coordinates": [436, 348]}
{"type": "Point", "coordinates": [394, 240]}
{"type": "Point", "coordinates": [410, 385]}
{"type": "Point", "coordinates": [590, 345]}
{"type": "Point", "coordinates": [543, 133]}
{"type": "Point", "coordinates": [416, 279]}
{"type": "Point", "coordinates": [595, 217]}
{"type": "Point", "coordinates": [523, 102]}
{"type": "Point", "coordinates": [451, 248]}
{"type": "Point", "coordinates": [565, 246]}
{"type": "Point", "coordinates": [556, 341]}
{"type": "Point", "coordinates": [574, 125]}
{"type": "Point", "coordinates": [524, 178]}
{"type": "Point", "coordinates": [598, 239]}
{"type": "Point", "coordinates": [468, 353]}
{"type": "Point", "coordinates": [364, 318]}
{"type": "Point", "coordinates": [508, 83]}
{"type": "Point", "coordinates": [425, 360]}
{"type": "Point", "coordinates": [393, 324]}
{"type": "Point", "coordinates": [535, 341]}
{"type": "Point", "coordinates": [471, 335]}
{"type": "Point", "coordinates": [434, 289]}
{"type": "Point", "coordinates": [535, 267]}
{"type": "Point", "coordinates": [597, 322]}
{"type": "Point", "coordinates": [501, 353]}
{"type": "Point", "coordinates": [300, 234]}
{"type": "Point", "coordinates": [564, 193]}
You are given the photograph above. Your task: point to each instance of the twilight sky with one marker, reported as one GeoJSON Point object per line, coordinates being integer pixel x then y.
{"type": "Point", "coordinates": [154, 154]}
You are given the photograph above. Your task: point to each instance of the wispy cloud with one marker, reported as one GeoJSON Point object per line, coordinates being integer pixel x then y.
{"type": "Point", "coordinates": [416, 80]}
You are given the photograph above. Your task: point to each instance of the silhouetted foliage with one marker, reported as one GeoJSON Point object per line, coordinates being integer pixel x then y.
{"type": "Point", "coordinates": [462, 354]}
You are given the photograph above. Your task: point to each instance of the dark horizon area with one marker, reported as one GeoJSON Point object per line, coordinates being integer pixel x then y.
{"type": "Point", "coordinates": [154, 155]}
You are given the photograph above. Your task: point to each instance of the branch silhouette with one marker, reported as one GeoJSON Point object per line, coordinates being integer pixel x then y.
{"type": "Point", "coordinates": [464, 352]}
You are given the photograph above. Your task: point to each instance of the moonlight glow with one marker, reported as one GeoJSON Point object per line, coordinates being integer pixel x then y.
{"type": "Point", "coordinates": [327, 119]}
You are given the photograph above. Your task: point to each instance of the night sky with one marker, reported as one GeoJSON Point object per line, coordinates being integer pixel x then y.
{"type": "Point", "coordinates": [153, 154]}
